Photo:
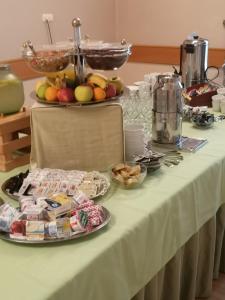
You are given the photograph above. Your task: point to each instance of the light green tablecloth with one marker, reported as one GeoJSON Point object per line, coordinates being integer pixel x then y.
{"type": "Point", "coordinates": [148, 226]}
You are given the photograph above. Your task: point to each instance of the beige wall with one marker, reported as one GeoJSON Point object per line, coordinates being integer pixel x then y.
{"type": "Point", "coordinates": [160, 22]}
{"type": "Point", "coordinates": [21, 20]}
{"type": "Point", "coordinates": [144, 22]}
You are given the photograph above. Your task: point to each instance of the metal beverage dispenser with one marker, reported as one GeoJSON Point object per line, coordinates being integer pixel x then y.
{"type": "Point", "coordinates": [167, 110]}
{"type": "Point", "coordinates": [194, 60]}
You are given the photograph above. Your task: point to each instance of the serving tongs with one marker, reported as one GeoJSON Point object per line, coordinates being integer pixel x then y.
{"type": "Point", "coordinates": [172, 158]}
{"type": "Point", "coordinates": [29, 46]}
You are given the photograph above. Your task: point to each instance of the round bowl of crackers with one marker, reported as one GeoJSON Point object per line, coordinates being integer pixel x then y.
{"type": "Point", "coordinates": [128, 174]}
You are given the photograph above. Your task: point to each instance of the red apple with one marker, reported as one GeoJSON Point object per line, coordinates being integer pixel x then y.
{"type": "Point", "coordinates": [110, 91]}
{"type": "Point", "coordinates": [65, 95]}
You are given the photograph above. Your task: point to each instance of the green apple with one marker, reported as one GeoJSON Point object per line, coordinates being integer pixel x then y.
{"type": "Point", "coordinates": [41, 90]}
{"type": "Point", "coordinates": [83, 93]}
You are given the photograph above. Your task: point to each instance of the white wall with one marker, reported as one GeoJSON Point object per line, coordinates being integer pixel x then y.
{"type": "Point", "coordinates": [21, 20]}
{"type": "Point", "coordinates": [160, 22]}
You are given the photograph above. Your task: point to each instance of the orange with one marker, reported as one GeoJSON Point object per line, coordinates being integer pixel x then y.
{"type": "Point", "coordinates": [51, 94]}
{"type": "Point", "coordinates": [99, 94]}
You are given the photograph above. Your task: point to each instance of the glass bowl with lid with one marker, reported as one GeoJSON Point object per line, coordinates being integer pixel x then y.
{"type": "Point", "coordinates": [105, 56]}
{"type": "Point", "coordinates": [48, 58]}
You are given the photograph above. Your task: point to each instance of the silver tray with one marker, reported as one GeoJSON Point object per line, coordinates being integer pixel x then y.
{"type": "Point", "coordinates": [3, 187]}
{"type": "Point", "coordinates": [74, 103]}
{"type": "Point", "coordinates": [15, 197]}
{"type": "Point", "coordinates": [107, 217]}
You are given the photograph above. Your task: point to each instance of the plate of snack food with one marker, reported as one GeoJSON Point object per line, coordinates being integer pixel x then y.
{"type": "Point", "coordinates": [61, 88]}
{"type": "Point", "coordinates": [42, 182]}
{"type": "Point", "coordinates": [128, 175]}
{"type": "Point", "coordinates": [51, 219]}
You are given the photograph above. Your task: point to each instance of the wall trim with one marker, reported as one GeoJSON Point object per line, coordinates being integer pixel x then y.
{"type": "Point", "coordinates": [168, 55]}
{"type": "Point", "coordinates": [21, 69]}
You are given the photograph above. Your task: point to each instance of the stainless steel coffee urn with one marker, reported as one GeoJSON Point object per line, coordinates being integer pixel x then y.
{"type": "Point", "coordinates": [193, 60]}
{"type": "Point", "coordinates": [167, 110]}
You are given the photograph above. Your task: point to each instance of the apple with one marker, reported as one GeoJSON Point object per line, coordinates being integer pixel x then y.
{"type": "Point", "coordinates": [38, 84]}
{"type": "Point", "coordinates": [117, 82]}
{"type": "Point", "coordinates": [65, 95]}
{"type": "Point", "coordinates": [41, 90]}
{"type": "Point", "coordinates": [83, 93]}
{"type": "Point", "coordinates": [110, 90]}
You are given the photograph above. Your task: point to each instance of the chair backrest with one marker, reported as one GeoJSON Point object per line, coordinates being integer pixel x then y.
{"type": "Point", "coordinates": [84, 137]}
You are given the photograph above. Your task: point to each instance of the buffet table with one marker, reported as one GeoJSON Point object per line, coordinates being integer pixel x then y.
{"type": "Point", "coordinates": [149, 226]}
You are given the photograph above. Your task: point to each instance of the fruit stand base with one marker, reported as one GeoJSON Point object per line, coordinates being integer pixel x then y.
{"type": "Point", "coordinates": [15, 140]}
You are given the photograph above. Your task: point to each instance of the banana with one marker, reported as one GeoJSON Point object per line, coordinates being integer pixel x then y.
{"type": "Point", "coordinates": [97, 79]}
{"type": "Point", "coordinates": [57, 82]}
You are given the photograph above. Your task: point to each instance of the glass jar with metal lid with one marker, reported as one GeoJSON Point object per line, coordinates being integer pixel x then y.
{"type": "Point", "coordinates": [11, 91]}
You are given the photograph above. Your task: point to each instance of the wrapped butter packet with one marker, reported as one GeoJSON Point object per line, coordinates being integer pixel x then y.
{"type": "Point", "coordinates": [60, 228]}
{"type": "Point", "coordinates": [7, 215]}
{"type": "Point", "coordinates": [51, 229]}
{"type": "Point", "coordinates": [63, 228]}
{"type": "Point", "coordinates": [35, 230]}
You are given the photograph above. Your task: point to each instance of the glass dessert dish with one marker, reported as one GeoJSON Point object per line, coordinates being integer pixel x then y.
{"type": "Point", "coordinates": [128, 175]}
{"type": "Point", "coordinates": [105, 56]}
{"type": "Point", "coordinates": [203, 120]}
{"type": "Point", "coordinates": [47, 58]}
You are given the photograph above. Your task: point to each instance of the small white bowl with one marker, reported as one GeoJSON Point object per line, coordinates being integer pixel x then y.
{"type": "Point", "coordinates": [222, 106]}
{"type": "Point", "coordinates": [216, 100]}
{"type": "Point", "coordinates": [221, 91]}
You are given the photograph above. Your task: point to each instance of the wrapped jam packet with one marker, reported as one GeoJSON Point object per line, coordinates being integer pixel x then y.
{"type": "Point", "coordinates": [76, 225]}
{"type": "Point", "coordinates": [80, 197]}
{"type": "Point", "coordinates": [35, 213]}
{"type": "Point", "coordinates": [26, 202]}
{"type": "Point", "coordinates": [18, 229]}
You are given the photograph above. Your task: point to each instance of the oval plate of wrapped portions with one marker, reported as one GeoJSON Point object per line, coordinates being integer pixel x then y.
{"type": "Point", "coordinates": [128, 175]}
{"type": "Point", "coordinates": [54, 219]}
{"type": "Point", "coordinates": [41, 182]}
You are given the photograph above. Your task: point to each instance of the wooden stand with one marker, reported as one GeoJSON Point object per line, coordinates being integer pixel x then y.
{"type": "Point", "coordinates": [15, 140]}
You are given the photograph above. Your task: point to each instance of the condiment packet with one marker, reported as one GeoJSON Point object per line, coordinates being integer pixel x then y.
{"type": "Point", "coordinates": [7, 215]}
{"type": "Point", "coordinates": [63, 228]}
{"type": "Point", "coordinates": [35, 230]}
